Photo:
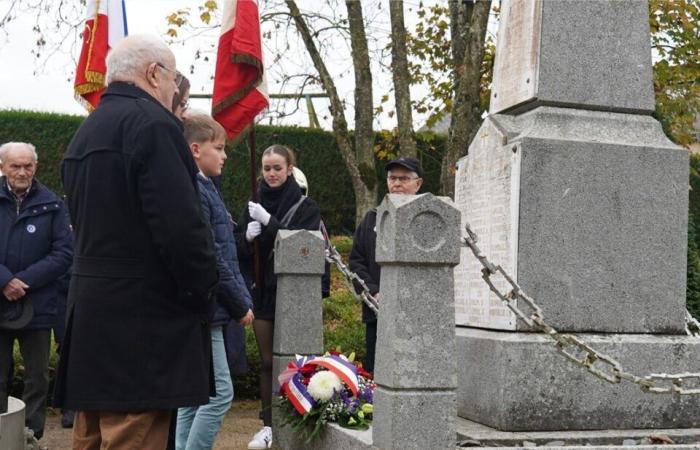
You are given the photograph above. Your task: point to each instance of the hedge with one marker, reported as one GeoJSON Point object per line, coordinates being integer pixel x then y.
{"type": "Point", "coordinates": [317, 155]}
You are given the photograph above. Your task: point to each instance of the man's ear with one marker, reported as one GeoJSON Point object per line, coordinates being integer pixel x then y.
{"type": "Point", "coordinates": [194, 148]}
{"type": "Point", "coordinates": [419, 181]}
{"type": "Point", "coordinates": [151, 77]}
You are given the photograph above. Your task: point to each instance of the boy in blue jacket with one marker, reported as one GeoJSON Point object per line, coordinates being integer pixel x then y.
{"type": "Point", "coordinates": [197, 427]}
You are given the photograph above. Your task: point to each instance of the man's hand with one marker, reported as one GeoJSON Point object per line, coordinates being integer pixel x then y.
{"type": "Point", "coordinates": [15, 289]}
{"type": "Point", "coordinates": [247, 319]}
{"type": "Point", "coordinates": [257, 212]}
{"type": "Point", "coordinates": [253, 231]}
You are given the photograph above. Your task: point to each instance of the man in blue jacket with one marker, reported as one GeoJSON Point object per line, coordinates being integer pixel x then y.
{"type": "Point", "coordinates": [36, 249]}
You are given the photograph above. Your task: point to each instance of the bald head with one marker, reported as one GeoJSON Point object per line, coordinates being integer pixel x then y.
{"type": "Point", "coordinates": [147, 62]}
{"type": "Point", "coordinates": [18, 162]}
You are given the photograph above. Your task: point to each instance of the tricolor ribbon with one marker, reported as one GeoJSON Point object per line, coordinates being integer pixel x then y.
{"type": "Point", "coordinates": [292, 385]}
{"type": "Point", "coordinates": [345, 370]}
{"type": "Point", "coordinates": [292, 368]}
{"type": "Point", "coordinates": [298, 395]}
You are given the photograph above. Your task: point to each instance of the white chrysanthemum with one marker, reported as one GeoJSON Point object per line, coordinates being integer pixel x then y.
{"type": "Point", "coordinates": [323, 384]}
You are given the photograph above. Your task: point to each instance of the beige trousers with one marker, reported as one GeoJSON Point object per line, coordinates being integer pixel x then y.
{"type": "Point", "coordinates": [106, 430]}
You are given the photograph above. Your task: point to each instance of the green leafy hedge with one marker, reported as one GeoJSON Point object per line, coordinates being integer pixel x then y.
{"type": "Point", "coordinates": [693, 280]}
{"type": "Point", "coordinates": [317, 155]}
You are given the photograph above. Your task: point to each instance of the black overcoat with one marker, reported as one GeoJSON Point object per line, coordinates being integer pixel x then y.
{"type": "Point", "coordinates": [141, 295]}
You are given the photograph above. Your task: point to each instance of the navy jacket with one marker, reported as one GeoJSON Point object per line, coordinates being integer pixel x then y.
{"type": "Point", "coordinates": [232, 297]}
{"type": "Point", "coordinates": [36, 246]}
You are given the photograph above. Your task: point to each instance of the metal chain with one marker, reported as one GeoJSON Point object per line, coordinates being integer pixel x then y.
{"type": "Point", "coordinates": [575, 349]}
{"type": "Point", "coordinates": [333, 257]}
{"type": "Point", "coordinates": [692, 326]}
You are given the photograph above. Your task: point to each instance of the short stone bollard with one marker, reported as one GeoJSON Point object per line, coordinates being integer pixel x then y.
{"type": "Point", "coordinates": [12, 425]}
{"type": "Point", "coordinates": [418, 244]}
{"type": "Point", "coordinates": [299, 265]}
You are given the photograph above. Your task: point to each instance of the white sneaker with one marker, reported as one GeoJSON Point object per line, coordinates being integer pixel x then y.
{"type": "Point", "coordinates": [261, 440]}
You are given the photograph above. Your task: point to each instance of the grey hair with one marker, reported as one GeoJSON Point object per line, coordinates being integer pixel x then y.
{"type": "Point", "coordinates": [130, 56]}
{"type": "Point", "coordinates": [5, 148]}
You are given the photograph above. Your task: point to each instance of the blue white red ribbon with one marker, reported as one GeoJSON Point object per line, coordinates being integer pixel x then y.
{"type": "Point", "coordinates": [298, 395]}
{"type": "Point", "coordinates": [292, 368]}
{"type": "Point", "coordinates": [292, 385]}
{"type": "Point", "coordinates": [345, 370]}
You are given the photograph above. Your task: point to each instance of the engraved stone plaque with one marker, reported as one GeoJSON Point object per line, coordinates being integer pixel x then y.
{"type": "Point", "coordinates": [515, 67]}
{"type": "Point", "coordinates": [486, 194]}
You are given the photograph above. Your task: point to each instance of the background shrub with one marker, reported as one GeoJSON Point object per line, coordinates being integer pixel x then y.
{"type": "Point", "coordinates": [317, 156]}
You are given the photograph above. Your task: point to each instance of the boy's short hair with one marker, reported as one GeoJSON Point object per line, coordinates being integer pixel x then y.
{"type": "Point", "coordinates": [202, 128]}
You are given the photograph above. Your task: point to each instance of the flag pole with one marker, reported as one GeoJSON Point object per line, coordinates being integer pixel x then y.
{"type": "Point", "coordinates": [254, 197]}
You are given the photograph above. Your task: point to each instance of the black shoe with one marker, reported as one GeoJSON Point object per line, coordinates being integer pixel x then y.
{"type": "Point", "coordinates": [67, 418]}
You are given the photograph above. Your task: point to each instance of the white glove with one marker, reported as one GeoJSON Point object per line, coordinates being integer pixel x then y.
{"type": "Point", "coordinates": [254, 229]}
{"type": "Point", "coordinates": [257, 212]}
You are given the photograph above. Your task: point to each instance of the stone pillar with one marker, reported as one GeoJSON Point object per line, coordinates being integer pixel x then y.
{"type": "Point", "coordinates": [12, 425]}
{"type": "Point", "coordinates": [299, 265]}
{"type": "Point", "coordinates": [417, 247]}
{"type": "Point", "coordinates": [575, 190]}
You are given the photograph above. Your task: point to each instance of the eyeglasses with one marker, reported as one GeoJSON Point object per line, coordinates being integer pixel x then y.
{"type": "Point", "coordinates": [402, 180]}
{"type": "Point", "coordinates": [184, 105]}
{"type": "Point", "coordinates": [176, 73]}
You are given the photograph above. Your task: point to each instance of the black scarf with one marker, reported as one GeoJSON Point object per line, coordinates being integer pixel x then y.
{"type": "Point", "coordinates": [277, 201]}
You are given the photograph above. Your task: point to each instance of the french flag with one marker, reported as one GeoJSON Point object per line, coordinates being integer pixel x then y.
{"type": "Point", "coordinates": [240, 87]}
{"type": "Point", "coordinates": [105, 24]}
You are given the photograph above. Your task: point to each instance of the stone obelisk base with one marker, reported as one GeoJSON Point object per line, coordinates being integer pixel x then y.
{"type": "Point", "coordinates": [519, 382]}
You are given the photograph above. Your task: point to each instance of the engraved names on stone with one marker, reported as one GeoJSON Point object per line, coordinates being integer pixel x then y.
{"type": "Point", "coordinates": [487, 198]}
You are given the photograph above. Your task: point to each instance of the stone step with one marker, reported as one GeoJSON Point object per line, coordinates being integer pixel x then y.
{"type": "Point", "coordinates": [481, 436]}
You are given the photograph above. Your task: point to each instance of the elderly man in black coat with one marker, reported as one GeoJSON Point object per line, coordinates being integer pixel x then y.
{"type": "Point", "coordinates": [137, 341]}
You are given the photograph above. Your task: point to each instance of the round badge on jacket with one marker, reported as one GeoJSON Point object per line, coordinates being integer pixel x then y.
{"type": "Point", "coordinates": [31, 228]}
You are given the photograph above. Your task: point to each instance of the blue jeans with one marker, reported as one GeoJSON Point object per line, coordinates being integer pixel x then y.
{"type": "Point", "coordinates": [197, 427]}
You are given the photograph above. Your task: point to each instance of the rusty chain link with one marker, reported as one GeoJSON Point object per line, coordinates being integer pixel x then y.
{"type": "Point", "coordinates": [333, 257]}
{"type": "Point", "coordinates": [575, 349]}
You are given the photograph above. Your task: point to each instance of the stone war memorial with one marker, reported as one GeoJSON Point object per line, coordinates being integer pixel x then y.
{"type": "Point", "coordinates": [581, 201]}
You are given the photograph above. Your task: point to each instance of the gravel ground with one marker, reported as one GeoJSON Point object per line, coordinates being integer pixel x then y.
{"type": "Point", "coordinates": [239, 426]}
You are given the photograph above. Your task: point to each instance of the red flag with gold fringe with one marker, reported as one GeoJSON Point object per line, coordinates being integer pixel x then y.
{"type": "Point", "coordinates": [105, 24]}
{"type": "Point", "coordinates": [240, 87]}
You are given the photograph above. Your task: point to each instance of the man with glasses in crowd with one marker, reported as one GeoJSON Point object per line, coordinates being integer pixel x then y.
{"type": "Point", "coordinates": [404, 175]}
{"type": "Point", "coordinates": [137, 342]}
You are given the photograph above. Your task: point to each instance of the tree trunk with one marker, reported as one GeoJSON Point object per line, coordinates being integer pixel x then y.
{"type": "Point", "coordinates": [364, 111]}
{"type": "Point", "coordinates": [399, 71]}
{"type": "Point", "coordinates": [466, 110]}
{"type": "Point", "coordinates": [358, 158]}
